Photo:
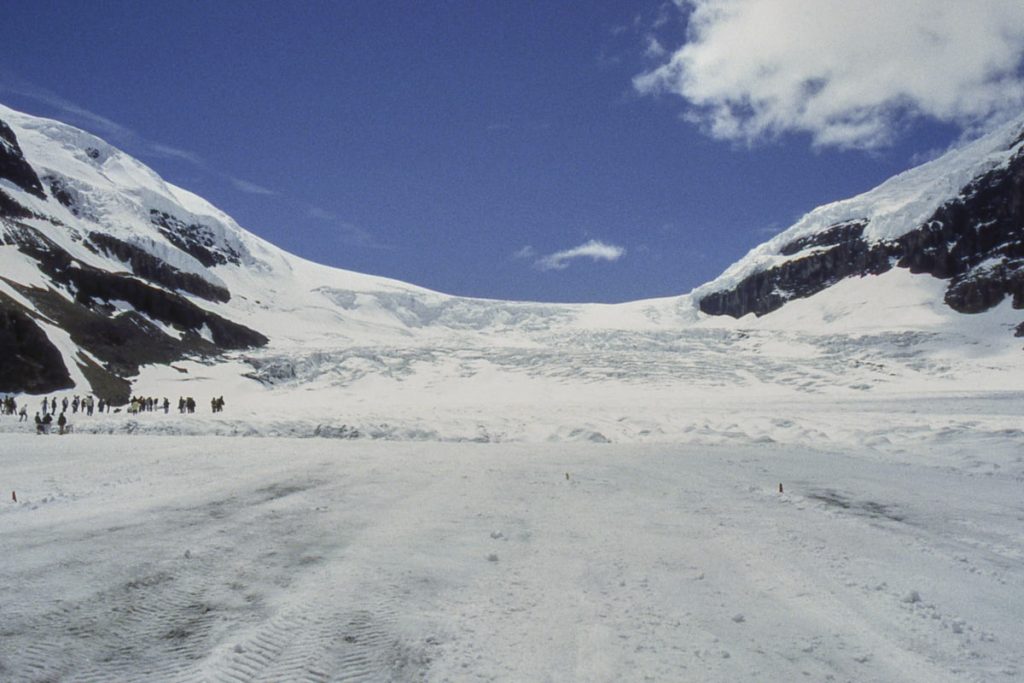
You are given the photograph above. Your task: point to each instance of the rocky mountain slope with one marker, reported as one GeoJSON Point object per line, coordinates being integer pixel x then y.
{"type": "Point", "coordinates": [105, 270]}
{"type": "Point", "coordinates": [100, 273]}
{"type": "Point", "coordinates": [959, 218]}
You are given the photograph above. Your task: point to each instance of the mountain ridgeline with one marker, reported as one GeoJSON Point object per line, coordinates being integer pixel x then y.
{"type": "Point", "coordinates": [105, 268]}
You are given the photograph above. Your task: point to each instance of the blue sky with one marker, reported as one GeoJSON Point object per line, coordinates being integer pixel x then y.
{"type": "Point", "coordinates": [597, 151]}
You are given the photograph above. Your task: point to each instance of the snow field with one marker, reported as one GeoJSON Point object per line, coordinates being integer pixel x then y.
{"type": "Point", "coordinates": [208, 558]}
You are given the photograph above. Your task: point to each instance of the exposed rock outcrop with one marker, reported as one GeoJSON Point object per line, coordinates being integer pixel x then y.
{"type": "Point", "coordinates": [14, 167]}
{"type": "Point", "coordinates": [193, 238]}
{"type": "Point", "coordinates": [28, 360]}
{"type": "Point", "coordinates": [9, 208]}
{"type": "Point", "coordinates": [153, 269]}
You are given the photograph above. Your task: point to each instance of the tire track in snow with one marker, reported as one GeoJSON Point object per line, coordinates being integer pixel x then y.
{"type": "Point", "coordinates": [141, 630]}
{"type": "Point", "coordinates": [335, 622]}
{"type": "Point", "coordinates": [155, 620]}
{"type": "Point", "coordinates": [334, 636]}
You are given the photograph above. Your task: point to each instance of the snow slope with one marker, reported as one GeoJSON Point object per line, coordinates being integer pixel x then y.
{"type": "Point", "coordinates": [212, 559]}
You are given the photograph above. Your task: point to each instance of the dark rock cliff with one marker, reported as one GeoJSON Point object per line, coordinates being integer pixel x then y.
{"type": "Point", "coordinates": [28, 361]}
{"type": "Point", "coordinates": [9, 208]}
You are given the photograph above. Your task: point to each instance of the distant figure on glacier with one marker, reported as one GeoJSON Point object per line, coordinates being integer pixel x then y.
{"type": "Point", "coordinates": [39, 424]}
{"type": "Point", "coordinates": [190, 405]}
{"type": "Point", "coordinates": [23, 414]}
{"type": "Point", "coordinates": [167, 405]}
{"type": "Point", "coordinates": [181, 404]}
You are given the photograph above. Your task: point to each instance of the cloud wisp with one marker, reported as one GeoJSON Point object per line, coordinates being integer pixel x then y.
{"type": "Point", "coordinates": [108, 129]}
{"type": "Point", "coordinates": [251, 188]}
{"type": "Point", "coordinates": [348, 232]}
{"type": "Point", "coordinates": [595, 250]}
{"type": "Point", "coordinates": [848, 74]}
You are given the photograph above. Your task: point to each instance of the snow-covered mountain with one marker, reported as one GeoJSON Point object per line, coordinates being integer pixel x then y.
{"type": "Point", "coordinates": [959, 218]}
{"type": "Point", "coordinates": [109, 275]}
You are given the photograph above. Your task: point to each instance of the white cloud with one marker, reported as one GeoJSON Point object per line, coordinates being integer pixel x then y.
{"type": "Point", "coordinates": [594, 250]}
{"type": "Point", "coordinates": [250, 188]}
{"type": "Point", "coordinates": [320, 214]}
{"type": "Point", "coordinates": [160, 150]}
{"type": "Point", "coordinates": [847, 73]}
{"type": "Point", "coordinates": [525, 252]}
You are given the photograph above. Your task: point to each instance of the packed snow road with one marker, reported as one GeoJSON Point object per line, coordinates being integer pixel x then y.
{"type": "Point", "coordinates": [208, 558]}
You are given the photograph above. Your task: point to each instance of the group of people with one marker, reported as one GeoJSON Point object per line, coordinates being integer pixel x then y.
{"type": "Point", "coordinates": [87, 405]}
{"type": "Point", "coordinates": [44, 423]}
{"type": "Point", "coordinates": [48, 413]}
{"type": "Point", "coordinates": [148, 404]}
{"type": "Point", "coordinates": [186, 404]}
{"type": "Point", "coordinates": [8, 406]}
